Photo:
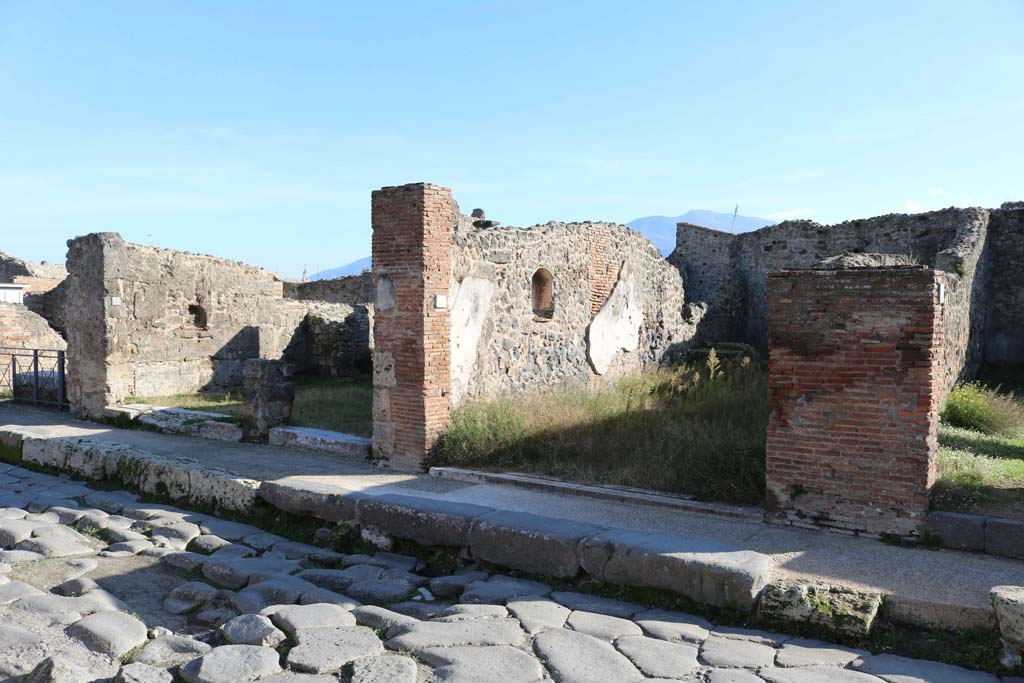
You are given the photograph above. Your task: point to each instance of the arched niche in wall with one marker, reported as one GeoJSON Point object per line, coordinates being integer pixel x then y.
{"type": "Point", "coordinates": [543, 289]}
{"type": "Point", "coordinates": [197, 316]}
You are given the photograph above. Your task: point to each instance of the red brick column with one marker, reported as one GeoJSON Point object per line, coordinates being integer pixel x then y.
{"type": "Point", "coordinates": [854, 380]}
{"type": "Point", "coordinates": [412, 268]}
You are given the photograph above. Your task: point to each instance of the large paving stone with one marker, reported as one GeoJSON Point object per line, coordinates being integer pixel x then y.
{"type": "Point", "coordinates": [467, 664]}
{"type": "Point", "coordinates": [701, 570]}
{"type": "Point", "coordinates": [14, 531]}
{"type": "Point", "coordinates": [16, 590]}
{"type": "Point", "coordinates": [597, 604]}
{"type": "Point", "coordinates": [327, 650]}
{"type": "Point", "coordinates": [432, 634]}
{"type": "Point", "coordinates": [170, 651]}
{"type": "Point", "coordinates": [384, 669]}
{"type": "Point", "coordinates": [424, 520]}
{"type": "Point", "coordinates": [381, 617]}
{"type": "Point", "coordinates": [602, 626]}
{"type": "Point", "coordinates": [673, 626]}
{"type": "Point", "coordinates": [727, 653]}
{"type": "Point", "coordinates": [816, 674]}
{"type": "Point", "coordinates": [659, 658]}
{"type": "Point", "coordinates": [578, 658]}
{"type": "Point", "coordinates": [188, 596]}
{"type": "Point", "coordinates": [110, 633]}
{"type": "Point", "coordinates": [381, 590]}
{"type": "Point", "coordinates": [232, 664]}
{"type": "Point", "coordinates": [252, 629]}
{"type": "Point", "coordinates": [294, 618]}
{"type": "Point", "coordinates": [322, 595]}
{"type": "Point", "coordinates": [1004, 537]}
{"type": "Point", "coordinates": [59, 670]}
{"type": "Point", "coordinates": [538, 614]}
{"type": "Point", "coordinates": [281, 590]}
{"type": "Point", "coordinates": [801, 652]}
{"type": "Point", "coordinates": [734, 676]}
{"type": "Point", "coordinates": [138, 672]}
{"type": "Point", "coordinates": [957, 530]}
{"type": "Point", "coordinates": [293, 677]}
{"type": "Point", "coordinates": [235, 573]}
{"type": "Point", "coordinates": [471, 612]}
{"type": "Point", "coordinates": [12, 637]}
{"type": "Point", "coordinates": [333, 579]}
{"type": "Point", "coordinates": [450, 586]}
{"type": "Point", "coordinates": [55, 546]}
{"type": "Point", "coordinates": [500, 589]}
{"type": "Point", "coordinates": [522, 540]}
{"type": "Point", "coordinates": [1008, 602]}
{"type": "Point", "coordinates": [895, 669]}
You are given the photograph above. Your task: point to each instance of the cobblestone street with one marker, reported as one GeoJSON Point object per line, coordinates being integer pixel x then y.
{"type": "Point", "coordinates": [97, 586]}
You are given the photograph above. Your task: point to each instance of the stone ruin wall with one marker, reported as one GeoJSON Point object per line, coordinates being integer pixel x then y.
{"type": "Point", "coordinates": [144, 321]}
{"type": "Point", "coordinates": [20, 328]}
{"type": "Point", "coordinates": [499, 345]}
{"type": "Point", "coordinates": [339, 347]}
{"type": "Point", "coordinates": [980, 253]}
{"type": "Point", "coordinates": [42, 294]}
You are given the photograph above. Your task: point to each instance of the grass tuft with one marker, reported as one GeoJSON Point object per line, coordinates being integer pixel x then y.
{"type": "Point", "coordinates": [983, 409]}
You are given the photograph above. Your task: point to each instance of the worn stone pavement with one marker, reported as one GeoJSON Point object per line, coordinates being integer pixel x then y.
{"type": "Point", "coordinates": [925, 586]}
{"type": "Point", "coordinates": [97, 586]}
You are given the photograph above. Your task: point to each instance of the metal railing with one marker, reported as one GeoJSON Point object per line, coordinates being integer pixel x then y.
{"type": "Point", "coordinates": [36, 376]}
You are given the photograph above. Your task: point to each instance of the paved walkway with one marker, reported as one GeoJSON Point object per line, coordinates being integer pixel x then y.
{"type": "Point", "coordinates": [97, 586]}
{"type": "Point", "coordinates": [938, 586]}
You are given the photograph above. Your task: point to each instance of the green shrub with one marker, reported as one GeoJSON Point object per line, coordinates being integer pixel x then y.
{"type": "Point", "coordinates": [977, 407]}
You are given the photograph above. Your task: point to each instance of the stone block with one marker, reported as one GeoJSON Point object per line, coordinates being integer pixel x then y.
{"type": "Point", "coordinates": [1005, 537]}
{"type": "Point", "coordinates": [704, 571]}
{"type": "Point", "coordinates": [424, 520]}
{"type": "Point", "coordinates": [321, 440]}
{"type": "Point", "coordinates": [1008, 602]}
{"type": "Point", "coordinates": [521, 540]}
{"type": "Point", "coordinates": [958, 530]}
{"type": "Point", "coordinates": [836, 609]}
{"type": "Point", "coordinates": [329, 503]}
{"type": "Point", "coordinates": [268, 394]}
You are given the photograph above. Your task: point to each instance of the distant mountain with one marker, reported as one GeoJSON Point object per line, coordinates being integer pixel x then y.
{"type": "Point", "coordinates": [353, 268]}
{"type": "Point", "coordinates": [661, 230]}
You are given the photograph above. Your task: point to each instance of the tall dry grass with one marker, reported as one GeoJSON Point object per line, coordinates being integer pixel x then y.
{"type": "Point", "coordinates": [696, 430]}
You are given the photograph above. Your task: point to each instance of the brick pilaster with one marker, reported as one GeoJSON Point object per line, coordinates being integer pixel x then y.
{"type": "Point", "coordinates": [412, 269]}
{"type": "Point", "coordinates": [854, 379]}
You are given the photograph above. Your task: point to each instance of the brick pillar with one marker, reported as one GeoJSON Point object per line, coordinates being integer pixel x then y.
{"type": "Point", "coordinates": [854, 379]}
{"type": "Point", "coordinates": [412, 268]}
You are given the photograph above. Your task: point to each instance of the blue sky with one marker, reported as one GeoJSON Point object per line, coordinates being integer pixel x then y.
{"type": "Point", "coordinates": [256, 130]}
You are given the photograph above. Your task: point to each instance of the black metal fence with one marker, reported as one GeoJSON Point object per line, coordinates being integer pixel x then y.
{"type": "Point", "coordinates": [36, 376]}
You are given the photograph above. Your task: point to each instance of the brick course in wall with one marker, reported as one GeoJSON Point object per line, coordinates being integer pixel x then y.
{"type": "Point", "coordinates": [854, 381]}
{"type": "Point", "coordinates": [603, 271]}
{"type": "Point", "coordinates": [413, 229]}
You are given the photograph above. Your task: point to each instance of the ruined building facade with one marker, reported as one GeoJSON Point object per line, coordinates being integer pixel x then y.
{"type": "Point", "coordinates": [980, 253]}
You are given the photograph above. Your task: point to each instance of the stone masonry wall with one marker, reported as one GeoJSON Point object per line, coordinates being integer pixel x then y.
{"type": "Point", "coordinates": [855, 372]}
{"type": "Point", "coordinates": [21, 328]}
{"type": "Point", "coordinates": [148, 322]}
{"type": "Point", "coordinates": [727, 273]}
{"type": "Point", "coordinates": [1004, 334]}
{"type": "Point", "coordinates": [353, 290]}
{"type": "Point", "coordinates": [618, 307]}
{"type": "Point", "coordinates": [40, 279]}
{"type": "Point", "coordinates": [412, 273]}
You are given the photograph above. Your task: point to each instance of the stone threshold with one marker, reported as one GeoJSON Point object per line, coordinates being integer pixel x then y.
{"type": "Point", "coordinates": [198, 423]}
{"type": "Point", "coordinates": [322, 441]}
{"type": "Point", "coordinates": [620, 494]}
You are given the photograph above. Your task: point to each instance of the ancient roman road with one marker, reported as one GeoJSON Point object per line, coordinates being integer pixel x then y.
{"type": "Point", "coordinates": [97, 586]}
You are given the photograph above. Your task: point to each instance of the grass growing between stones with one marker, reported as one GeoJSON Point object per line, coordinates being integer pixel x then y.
{"type": "Point", "coordinates": [697, 430]}
{"type": "Point", "coordinates": [981, 447]}
{"type": "Point", "coordinates": [337, 404]}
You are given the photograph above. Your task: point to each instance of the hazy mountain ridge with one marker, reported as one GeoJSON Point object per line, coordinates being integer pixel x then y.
{"type": "Point", "coordinates": [660, 230]}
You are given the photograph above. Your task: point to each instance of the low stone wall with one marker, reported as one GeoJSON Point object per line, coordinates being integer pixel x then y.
{"type": "Point", "coordinates": [854, 378]}
{"type": "Point", "coordinates": [21, 328]}
{"type": "Point", "coordinates": [353, 290]}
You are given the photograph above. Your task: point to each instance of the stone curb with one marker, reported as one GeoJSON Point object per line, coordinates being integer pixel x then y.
{"type": "Point", "coordinates": [991, 535]}
{"type": "Point", "coordinates": [321, 441]}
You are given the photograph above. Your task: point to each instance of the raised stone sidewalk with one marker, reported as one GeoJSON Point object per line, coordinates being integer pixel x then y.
{"type": "Point", "coordinates": [712, 559]}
